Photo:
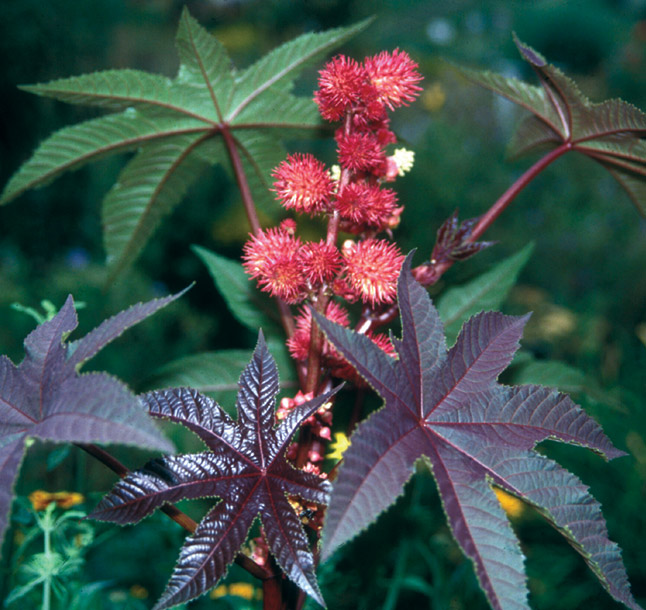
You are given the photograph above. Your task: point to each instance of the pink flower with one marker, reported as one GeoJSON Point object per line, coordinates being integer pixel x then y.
{"type": "Point", "coordinates": [303, 183]}
{"type": "Point", "coordinates": [395, 77]}
{"type": "Point", "coordinates": [272, 258]}
{"type": "Point", "coordinates": [372, 267]}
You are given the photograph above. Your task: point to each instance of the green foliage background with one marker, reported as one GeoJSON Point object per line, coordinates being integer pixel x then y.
{"type": "Point", "coordinates": [585, 280]}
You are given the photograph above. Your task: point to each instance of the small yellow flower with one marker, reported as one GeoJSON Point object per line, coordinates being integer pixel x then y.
{"type": "Point", "coordinates": [41, 499]}
{"type": "Point", "coordinates": [510, 504]}
{"type": "Point", "coordinates": [340, 444]}
{"type": "Point", "coordinates": [138, 592]}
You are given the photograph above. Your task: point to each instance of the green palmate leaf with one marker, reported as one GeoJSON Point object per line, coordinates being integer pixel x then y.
{"type": "Point", "coordinates": [178, 126]}
{"type": "Point", "coordinates": [562, 116]}
{"type": "Point", "coordinates": [147, 189]}
{"type": "Point", "coordinates": [250, 307]}
{"type": "Point", "coordinates": [485, 292]}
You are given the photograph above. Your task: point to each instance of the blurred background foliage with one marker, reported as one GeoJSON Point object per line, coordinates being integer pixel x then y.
{"type": "Point", "coordinates": [585, 281]}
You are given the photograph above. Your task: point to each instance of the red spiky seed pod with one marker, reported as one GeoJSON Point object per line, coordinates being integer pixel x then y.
{"type": "Point", "coordinates": [272, 258]}
{"type": "Point", "coordinates": [366, 205]}
{"type": "Point", "coordinates": [340, 87]}
{"type": "Point", "coordinates": [372, 267]}
{"type": "Point", "coordinates": [303, 183]}
{"type": "Point", "coordinates": [360, 152]}
{"type": "Point", "coordinates": [395, 77]}
{"type": "Point", "coordinates": [321, 262]}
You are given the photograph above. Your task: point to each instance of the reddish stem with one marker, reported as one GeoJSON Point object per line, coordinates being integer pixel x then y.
{"type": "Point", "coordinates": [487, 219]}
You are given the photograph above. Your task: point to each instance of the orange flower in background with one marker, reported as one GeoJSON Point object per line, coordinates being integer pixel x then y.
{"type": "Point", "coordinates": [41, 499]}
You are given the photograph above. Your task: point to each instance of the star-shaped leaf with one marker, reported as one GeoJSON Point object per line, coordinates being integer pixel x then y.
{"type": "Point", "coordinates": [474, 433]}
{"type": "Point", "coordinates": [46, 397]}
{"type": "Point", "coordinates": [245, 465]}
{"type": "Point", "coordinates": [178, 127]}
{"type": "Point", "coordinates": [611, 132]}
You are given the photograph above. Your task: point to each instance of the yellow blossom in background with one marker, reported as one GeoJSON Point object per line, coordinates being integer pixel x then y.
{"type": "Point", "coordinates": [510, 504]}
{"type": "Point", "coordinates": [338, 447]}
{"type": "Point", "coordinates": [335, 173]}
{"type": "Point", "coordinates": [138, 592]}
{"type": "Point", "coordinates": [433, 97]}
{"type": "Point", "coordinates": [243, 590]}
{"type": "Point", "coordinates": [41, 499]}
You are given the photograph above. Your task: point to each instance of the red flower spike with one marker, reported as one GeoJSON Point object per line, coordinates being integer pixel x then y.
{"type": "Point", "coordinates": [372, 267]}
{"type": "Point", "coordinates": [299, 343]}
{"type": "Point", "coordinates": [340, 86]}
{"type": "Point", "coordinates": [303, 183]}
{"type": "Point", "coordinates": [320, 262]}
{"type": "Point", "coordinates": [360, 151]}
{"type": "Point", "coordinates": [366, 205]}
{"type": "Point", "coordinates": [395, 77]}
{"type": "Point", "coordinates": [272, 258]}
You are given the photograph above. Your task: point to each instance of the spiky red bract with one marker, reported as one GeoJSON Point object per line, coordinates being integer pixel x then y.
{"type": "Point", "coordinates": [372, 267]}
{"type": "Point", "coordinates": [366, 205]}
{"type": "Point", "coordinates": [360, 152]}
{"type": "Point", "coordinates": [321, 262]}
{"type": "Point", "coordinates": [395, 77]}
{"type": "Point", "coordinates": [299, 343]}
{"type": "Point", "coordinates": [340, 85]}
{"type": "Point", "coordinates": [273, 258]}
{"type": "Point", "coordinates": [303, 183]}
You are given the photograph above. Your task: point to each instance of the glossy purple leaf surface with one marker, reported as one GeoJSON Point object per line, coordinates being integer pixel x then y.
{"type": "Point", "coordinates": [244, 465]}
{"type": "Point", "coordinates": [474, 433]}
{"type": "Point", "coordinates": [46, 397]}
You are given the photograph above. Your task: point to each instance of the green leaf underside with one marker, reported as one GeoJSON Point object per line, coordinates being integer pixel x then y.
{"type": "Point", "coordinates": [563, 115]}
{"type": "Point", "coordinates": [45, 397]}
{"type": "Point", "coordinates": [170, 120]}
{"type": "Point", "coordinates": [245, 465]}
{"type": "Point", "coordinates": [485, 292]}
{"type": "Point", "coordinates": [474, 433]}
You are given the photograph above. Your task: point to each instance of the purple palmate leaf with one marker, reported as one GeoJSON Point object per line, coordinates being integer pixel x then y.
{"type": "Point", "coordinates": [447, 406]}
{"type": "Point", "coordinates": [45, 396]}
{"type": "Point", "coordinates": [245, 465]}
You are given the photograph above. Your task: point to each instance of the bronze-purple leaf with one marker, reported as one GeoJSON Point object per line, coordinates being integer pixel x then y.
{"type": "Point", "coordinates": [45, 396]}
{"type": "Point", "coordinates": [562, 118]}
{"type": "Point", "coordinates": [245, 465]}
{"type": "Point", "coordinates": [447, 407]}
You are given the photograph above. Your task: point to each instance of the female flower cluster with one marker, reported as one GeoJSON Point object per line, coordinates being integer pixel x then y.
{"type": "Point", "coordinates": [353, 198]}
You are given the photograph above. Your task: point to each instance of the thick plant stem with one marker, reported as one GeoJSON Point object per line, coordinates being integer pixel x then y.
{"type": "Point", "coordinates": [241, 179]}
{"type": "Point", "coordinates": [487, 219]}
{"type": "Point", "coordinates": [252, 216]}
